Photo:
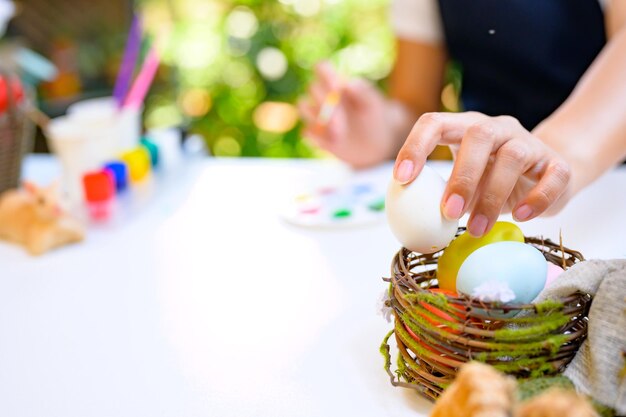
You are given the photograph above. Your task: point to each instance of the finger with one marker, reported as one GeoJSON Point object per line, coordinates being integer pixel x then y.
{"type": "Point", "coordinates": [328, 129]}
{"type": "Point", "coordinates": [307, 112]}
{"type": "Point", "coordinates": [323, 138]}
{"type": "Point", "coordinates": [318, 94]}
{"type": "Point", "coordinates": [314, 138]}
{"type": "Point", "coordinates": [429, 130]}
{"type": "Point", "coordinates": [512, 159]}
{"type": "Point", "coordinates": [329, 107]}
{"type": "Point", "coordinates": [550, 187]}
{"type": "Point", "coordinates": [327, 75]}
{"type": "Point", "coordinates": [358, 92]}
{"type": "Point", "coordinates": [478, 143]}
{"type": "Point", "coordinates": [336, 127]}
{"type": "Point", "coordinates": [325, 134]}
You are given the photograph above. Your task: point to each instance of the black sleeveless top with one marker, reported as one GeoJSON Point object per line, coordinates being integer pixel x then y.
{"type": "Point", "coordinates": [521, 57]}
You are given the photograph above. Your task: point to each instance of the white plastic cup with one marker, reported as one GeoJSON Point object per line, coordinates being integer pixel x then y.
{"type": "Point", "coordinates": [93, 108]}
{"type": "Point", "coordinates": [68, 141]}
{"type": "Point", "coordinates": [129, 128]}
{"type": "Point", "coordinates": [111, 130]}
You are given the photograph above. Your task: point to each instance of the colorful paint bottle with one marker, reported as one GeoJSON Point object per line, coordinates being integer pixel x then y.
{"type": "Point", "coordinates": [152, 149]}
{"type": "Point", "coordinates": [138, 163]}
{"type": "Point", "coordinates": [99, 189]}
{"type": "Point", "coordinates": [120, 174]}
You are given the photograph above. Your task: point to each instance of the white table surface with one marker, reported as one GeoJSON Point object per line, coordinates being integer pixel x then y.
{"type": "Point", "coordinates": [205, 303]}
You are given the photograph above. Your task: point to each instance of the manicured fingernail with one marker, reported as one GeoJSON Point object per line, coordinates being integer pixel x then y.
{"type": "Point", "coordinates": [478, 225]}
{"type": "Point", "coordinates": [453, 208]}
{"type": "Point", "coordinates": [404, 171]}
{"type": "Point", "coordinates": [523, 212]}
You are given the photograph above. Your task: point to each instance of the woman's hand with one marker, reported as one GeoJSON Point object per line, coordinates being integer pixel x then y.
{"type": "Point", "coordinates": [499, 166]}
{"type": "Point", "coordinates": [358, 130]}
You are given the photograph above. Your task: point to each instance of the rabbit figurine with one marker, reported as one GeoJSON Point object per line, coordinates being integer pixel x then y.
{"type": "Point", "coordinates": [479, 390]}
{"type": "Point", "coordinates": [32, 217]}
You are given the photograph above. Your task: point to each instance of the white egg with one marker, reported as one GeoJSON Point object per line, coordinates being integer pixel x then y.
{"type": "Point", "coordinates": [414, 213]}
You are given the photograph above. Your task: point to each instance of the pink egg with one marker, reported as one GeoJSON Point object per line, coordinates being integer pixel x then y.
{"type": "Point", "coordinates": [553, 272]}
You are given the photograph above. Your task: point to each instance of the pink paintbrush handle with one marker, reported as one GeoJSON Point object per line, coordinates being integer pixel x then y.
{"type": "Point", "coordinates": [144, 80]}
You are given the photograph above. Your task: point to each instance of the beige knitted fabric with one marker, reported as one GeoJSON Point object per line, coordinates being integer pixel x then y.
{"type": "Point", "coordinates": [598, 369]}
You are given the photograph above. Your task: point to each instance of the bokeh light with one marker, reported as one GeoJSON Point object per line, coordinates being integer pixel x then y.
{"type": "Point", "coordinates": [163, 116]}
{"type": "Point", "coordinates": [450, 98]}
{"type": "Point", "coordinates": [307, 8]}
{"type": "Point", "coordinates": [200, 11]}
{"type": "Point", "coordinates": [235, 68]}
{"type": "Point", "coordinates": [236, 74]}
{"type": "Point", "coordinates": [200, 49]}
{"type": "Point", "coordinates": [275, 117]}
{"type": "Point", "coordinates": [241, 23]}
{"type": "Point", "coordinates": [238, 47]}
{"type": "Point", "coordinates": [195, 102]}
{"type": "Point", "coordinates": [226, 146]}
{"type": "Point", "coordinates": [272, 63]}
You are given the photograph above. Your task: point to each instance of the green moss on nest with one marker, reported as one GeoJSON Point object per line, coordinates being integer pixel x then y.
{"type": "Point", "coordinates": [603, 410]}
{"type": "Point", "coordinates": [531, 319]}
{"type": "Point", "coordinates": [552, 344]}
{"type": "Point", "coordinates": [548, 325]}
{"type": "Point", "coordinates": [548, 306]}
{"type": "Point", "coordinates": [524, 357]}
{"type": "Point", "coordinates": [528, 388]}
{"type": "Point", "coordinates": [410, 341]}
{"type": "Point", "coordinates": [535, 367]}
{"type": "Point", "coordinates": [414, 346]}
{"type": "Point", "coordinates": [384, 350]}
{"type": "Point", "coordinates": [519, 338]}
{"type": "Point", "coordinates": [541, 323]}
{"type": "Point", "coordinates": [436, 299]}
{"type": "Point", "coordinates": [401, 371]}
{"type": "Point", "coordinates": [420, 315]}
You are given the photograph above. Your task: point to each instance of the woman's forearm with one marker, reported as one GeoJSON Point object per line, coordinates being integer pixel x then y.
{"type": "Point", "coordinates": [414, 86]}
{"type": "Point", "coordinates": [589, 129]}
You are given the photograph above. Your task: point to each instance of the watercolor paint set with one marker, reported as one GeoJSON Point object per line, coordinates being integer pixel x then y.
{"type": "Point", "coordinates": [355, 204]}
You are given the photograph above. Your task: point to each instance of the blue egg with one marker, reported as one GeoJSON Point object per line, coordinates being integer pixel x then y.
{"type": "Point", "coordinates": [511, 272]}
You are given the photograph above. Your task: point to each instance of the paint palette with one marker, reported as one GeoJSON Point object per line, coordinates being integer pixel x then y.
{"type": "Point", "coordinates": [352, 205]}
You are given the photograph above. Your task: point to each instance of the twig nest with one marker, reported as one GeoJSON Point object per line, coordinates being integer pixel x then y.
{"type": "Point", "coordinates": [436, 332]}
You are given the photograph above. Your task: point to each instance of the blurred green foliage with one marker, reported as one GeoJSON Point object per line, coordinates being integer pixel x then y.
{"type": "Point", "coordinates": [228, 64]}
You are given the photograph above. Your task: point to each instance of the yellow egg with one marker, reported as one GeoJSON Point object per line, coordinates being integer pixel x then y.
{"type": "Point", "coordinates": [460, 248]}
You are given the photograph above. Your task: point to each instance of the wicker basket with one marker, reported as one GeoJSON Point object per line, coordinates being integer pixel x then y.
{"type": "Point", "coordinates": [540, 341]}
{"type": "Point", "coordinates": [16, 139]}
